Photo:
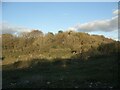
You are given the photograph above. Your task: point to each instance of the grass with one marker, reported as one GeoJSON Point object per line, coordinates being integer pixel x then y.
{"type": "Point", "coordinates": [97, 72]}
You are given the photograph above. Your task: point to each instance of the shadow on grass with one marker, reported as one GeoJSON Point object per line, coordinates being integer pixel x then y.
{"type": "Point", "coordinates": [69, 73]}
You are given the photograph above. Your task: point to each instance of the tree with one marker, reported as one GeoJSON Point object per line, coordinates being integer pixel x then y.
{"type": "Point", "coordinates": [51, 33]}
{"type": "Point", "coordinates": [60, 31]}
{"type": "Point", "coordinates": [32, 34]}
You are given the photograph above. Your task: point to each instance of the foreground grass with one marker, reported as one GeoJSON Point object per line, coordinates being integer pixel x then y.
{"type": "Point", "coordinates": [97, 72]}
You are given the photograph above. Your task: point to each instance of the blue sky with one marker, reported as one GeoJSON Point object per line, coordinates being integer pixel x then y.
{"type": "Point", "coordinates": [52, 17]}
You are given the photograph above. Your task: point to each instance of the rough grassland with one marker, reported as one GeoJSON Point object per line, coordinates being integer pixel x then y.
{"type": "Point", "coordinates": [97, 72]}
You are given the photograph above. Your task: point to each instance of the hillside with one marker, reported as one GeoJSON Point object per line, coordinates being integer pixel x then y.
{"type": "Point", "coordinates": [36, 45]}
{"type": "Point", "coordinates": [63, 60]}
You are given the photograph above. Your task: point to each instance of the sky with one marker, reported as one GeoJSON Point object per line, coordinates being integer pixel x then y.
{"type": "Point", "coordinates": [60, 0]}
{"type": "Point", "coordinates": [91, 17]}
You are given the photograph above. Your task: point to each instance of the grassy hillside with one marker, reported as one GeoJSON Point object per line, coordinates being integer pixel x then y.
{"type": "Point", "coordinates": [36, 45]}
{"type": "Point", "coordinates": [64, 60]}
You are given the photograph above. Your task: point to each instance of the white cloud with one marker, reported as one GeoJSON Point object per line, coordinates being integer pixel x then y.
{"type": "Point", "coordinates": [7, 28]}
{"type": "Point", "coordinates": [116, 12]}
{"type": "Point", "coordinates": [106, 25]}
{"type": "Point", "coordinates": [71, 29]}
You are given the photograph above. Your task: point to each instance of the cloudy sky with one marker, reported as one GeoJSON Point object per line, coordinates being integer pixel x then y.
{"type": "Point", "coordinates": [91, 17]}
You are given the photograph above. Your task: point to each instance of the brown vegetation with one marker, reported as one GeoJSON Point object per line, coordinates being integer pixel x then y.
{"type": "Point", "coordinates": [36, 45]}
